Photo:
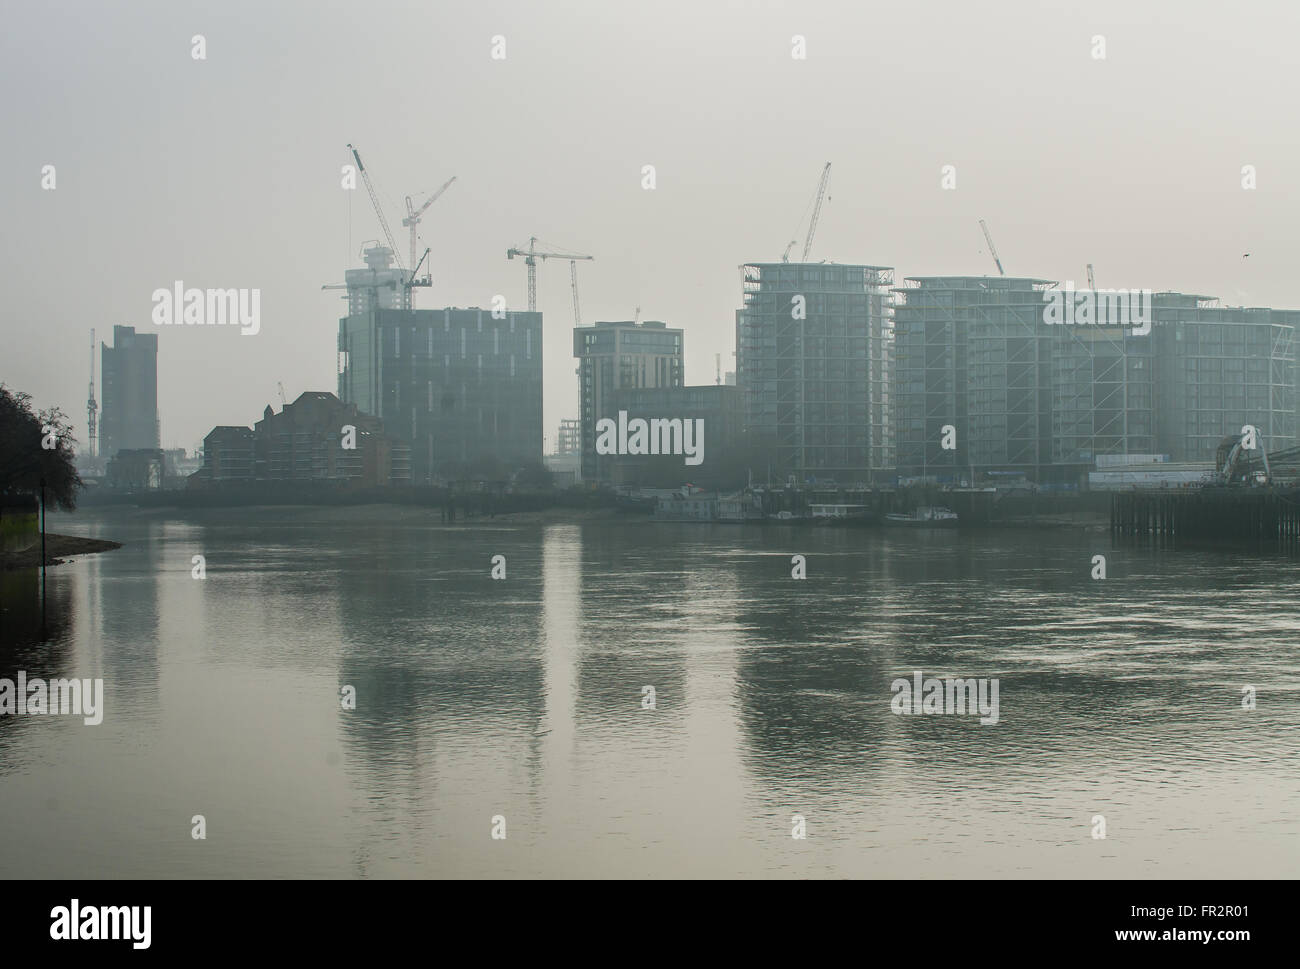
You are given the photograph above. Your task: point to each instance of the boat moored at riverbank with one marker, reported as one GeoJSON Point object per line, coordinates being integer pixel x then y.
{"type": "Point", "coordinates": [928, 516]}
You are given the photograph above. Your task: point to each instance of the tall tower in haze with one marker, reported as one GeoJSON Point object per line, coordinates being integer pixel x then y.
{"type": "Point", "coordinates": [129, 386]}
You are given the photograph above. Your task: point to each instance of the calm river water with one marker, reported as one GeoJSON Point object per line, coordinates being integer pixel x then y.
{"type": "Point", "coordinates": [522, 699]}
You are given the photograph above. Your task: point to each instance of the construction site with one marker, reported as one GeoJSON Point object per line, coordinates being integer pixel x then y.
{"type": "Point", "coordinates": [463, 386]}
{"type": "Point", "coordinates": [845, 380]}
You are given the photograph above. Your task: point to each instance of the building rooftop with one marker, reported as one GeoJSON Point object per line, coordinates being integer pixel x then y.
{"type": "Point", "coordinates": [980, 280]}
{"type": "Point", "coordinates": [815, 265]}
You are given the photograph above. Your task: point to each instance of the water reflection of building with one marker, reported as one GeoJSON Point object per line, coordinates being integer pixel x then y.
{"type": "Point", "coordinates": [449, 673]}
{"type": "Point", "coordinates": [128, 619]}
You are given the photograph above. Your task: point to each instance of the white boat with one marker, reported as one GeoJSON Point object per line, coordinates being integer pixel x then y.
{"type": "Point", "coordinates": [929, 516]}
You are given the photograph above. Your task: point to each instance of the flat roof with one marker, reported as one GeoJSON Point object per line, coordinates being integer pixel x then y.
{"type": "Point", "coordinates": [1009, 279]}
{"type": "Point", "coordinates": [787, 265]}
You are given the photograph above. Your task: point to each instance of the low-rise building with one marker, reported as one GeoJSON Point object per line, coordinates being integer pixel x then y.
{"type": "Point", "coordinates": [137, 469]}
{"type": "Point", "coordinates": [716, 411]}
{"type": "Point", "coordinates": [316, 439]}
{"type": "Point", "coordinates": [228, 454]}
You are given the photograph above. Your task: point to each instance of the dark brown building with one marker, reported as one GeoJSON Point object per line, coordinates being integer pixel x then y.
{"type": "Point", "coordinates": [317, 438]}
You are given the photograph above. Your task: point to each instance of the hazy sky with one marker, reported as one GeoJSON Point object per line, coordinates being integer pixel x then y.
{"type": "Point", "coordinates": [225, 172]}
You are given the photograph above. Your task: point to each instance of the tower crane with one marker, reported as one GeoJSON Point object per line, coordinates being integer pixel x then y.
{"type": "Point", "coordinates": [817, 210]}
{"type": "Point", "coordinates": [92, 408]}
{"type": "Point", "coordinates": [413, 214]}
{"type": "Point", "coordinates": [993, 250]}
{"type": "Point", "coordinates": [531, 255]}
{"type": "Point", "coordinates": [375, 286]}
{"type": "Point", "coordinates": [1092, 283]}
{"type": "Point", "coordinates": [573, 276]}
{"type": "Point", "coordinates": [379, 209]}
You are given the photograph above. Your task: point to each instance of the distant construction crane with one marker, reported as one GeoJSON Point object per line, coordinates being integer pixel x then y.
{"type": "Point", "coordinates": [283, 403]}
{"type": "Point", "coordinates": [379, 209]}
{"type": "Point", "coordinates": [785, 256]}
{"type": "Point", "coordinates": [412, 282]}
{"type": "Point", "coordinates": [573, 276]}
{"type": "Point", "coordinates": [1092, 282]}
{"type": "Point", "coordinates": [413, 214]}
{"type": "Point", "coordinates": [531, 255]}
{"type": "Point", "coordinates": [375, 285]}
{"type": "Point", "coordinates": [817, 210]}
{"type": "Point", "coordinates": [92, 408]}
{"type": "Point", "coordinates": [993, 250]}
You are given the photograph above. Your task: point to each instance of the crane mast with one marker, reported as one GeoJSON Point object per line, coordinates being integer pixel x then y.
{"type": "Point", "coordinates": [413, 214]}
{"type": "Point", "coordinates": [573, 275]}
{"type": "Point", "coordinates": [531, 255]}
{"type": "Point", "coordinates": [92, 408]}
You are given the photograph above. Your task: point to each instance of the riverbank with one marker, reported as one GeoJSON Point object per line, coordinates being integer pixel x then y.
{"type": "Point", "coordinates": [55, 546]}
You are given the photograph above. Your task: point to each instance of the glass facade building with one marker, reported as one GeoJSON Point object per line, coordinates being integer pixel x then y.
{"type": "Point", "coordinates": [463, 389]}
{"type": "Point", "coordinates": [1049, 400]}
{"type": "Point", "coordinates": [128, 419]}
{"type": "Point", "coordinates": [615, 356]}
{"type": "Point", "coordinates": [813, 364]}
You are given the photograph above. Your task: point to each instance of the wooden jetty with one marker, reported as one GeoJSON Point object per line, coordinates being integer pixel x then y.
{"type": "Point", "coordinates": [1212, 514]}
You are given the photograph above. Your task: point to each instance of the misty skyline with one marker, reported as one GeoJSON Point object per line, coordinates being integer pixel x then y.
{"type": "Point", "coordinates": [225, 172]}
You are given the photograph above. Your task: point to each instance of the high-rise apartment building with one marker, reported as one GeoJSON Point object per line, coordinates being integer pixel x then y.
{"type": "Point", "coordinates": [975, 354]}
{"type": "Point", "coordinates": [1219, 368]}
{"type": "Point", "coordinates": [972, 354]}
{"type": "Point", "coordinates": [620, 356]}
{"type": "Point", "coordinates": [813, 359]}
{"type": "Point", "coordinates": [569, 440]}
{"type": "Point", "coordinates": [128, 417]}
{"type": "Point", "coordinates": [461, 387]}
